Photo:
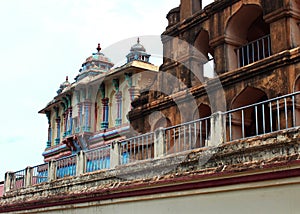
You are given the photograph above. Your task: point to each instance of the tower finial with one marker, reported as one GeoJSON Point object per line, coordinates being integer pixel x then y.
{"type": "Point", "coordinates": [138, 40]}
{"type": "Point", "coordinates": [98, 48]}
{"type": "Point", "coordinates": [67, 78]}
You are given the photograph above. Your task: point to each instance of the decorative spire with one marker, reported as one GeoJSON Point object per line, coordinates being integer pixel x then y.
{"type": "Point", "coordinates": [98, 48]}
{"type": "Point", "coordinates": [138, 40]}
{"type": "Point", "coordinates": [67, 78]}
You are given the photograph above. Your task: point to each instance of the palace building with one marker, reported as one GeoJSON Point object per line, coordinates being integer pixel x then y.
{"type": "Point", "coordinates": [214, 129]}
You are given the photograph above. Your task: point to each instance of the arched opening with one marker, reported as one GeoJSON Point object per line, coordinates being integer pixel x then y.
{"type": "Point", "coordinates": [250, 121]}
{"type": "Point", "coordinates": [201, 127]}
{"type": "Point", "coordinates": [204, 66]}
{"type": "Point", "coordinates": [248, 36]}
{"type": "Point", "coordinates": [297, 102]}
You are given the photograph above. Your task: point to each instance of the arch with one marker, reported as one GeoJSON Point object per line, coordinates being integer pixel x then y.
{"type": "Point", "coordinates": [297, 99]}
{"type": "Point", "coordinates": [202, 111]}
{"type": "Point", "coordinates": [297, 84]}
{"type": "Point", "coordinates": [248, 120]}
{"type": "Point", "coordinates": [162, 122]}
{"type": "Point", "coordinates": [201, 129]}
{"type": "Point", "coordinates": [203, 57]}
{"type": "Point", "coordinates": [243, 27]}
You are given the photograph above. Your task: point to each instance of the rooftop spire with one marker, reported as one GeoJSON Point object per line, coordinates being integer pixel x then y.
{"type": "Point", "coordinates": [138, 40]}
{"type": "Point", "coordinates": [98, 48]}
{"type": "Point", "coordinates": [67, 78]}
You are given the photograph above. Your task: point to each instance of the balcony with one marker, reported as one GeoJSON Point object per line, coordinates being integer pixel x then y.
{"type": "Point", "coordinates": [254, 51]}
{"type": "Point", "coordinates": [268, 118]}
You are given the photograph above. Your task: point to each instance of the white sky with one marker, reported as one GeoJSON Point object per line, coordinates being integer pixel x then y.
{"type": "Point", "coordinates": [42, 41]}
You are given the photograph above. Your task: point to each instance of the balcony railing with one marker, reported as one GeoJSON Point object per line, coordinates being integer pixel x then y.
{"type": "Point", "coordinates": [263, 117]}
{"type": "Point", "coordinates": [97, 159]}
{"type": "Point", "coordinates": [39, 174]}
{"type": "Point", "coordinates": [254, 51]}
{"type": "Point", "coordinates": [137, 148]}
{"type": "Point", "coordinates": [257, 119]}
{"type": "Point", "coordinates": [66, 166]}
{"type": "Point", "coordinates": [187, 136]}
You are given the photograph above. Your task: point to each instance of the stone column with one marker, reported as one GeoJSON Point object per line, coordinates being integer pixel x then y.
{"type": "Point", "coordinates": [79, 105]}
{"type": "Point", "coordinates": [105, 110]}
{"type": "Point", "coordinates": [159, 142]}
{"type": "Point", "coordinates": [119, 108]}
{"type": "Point", "coordinates": [87, 116]}
{"type": "Point", "coordinates": [81, 162]}
{"type": "Point", "coordinates": [217, 130]}
{"type": "Point", "coordinates": [51, 170]}
{"type": "Point", "coordinates": [65, 119]}
{"type": "Point", "coordinates": [57, 140]}
{"type": "Point", "coordinates": [114, 154]}
{"type": "Point", "coordinates": [69, 132]}
{"type": "Point", "coordinates": [28, 176]}
{"type": "Point", "coordinates": [284, 24]}
{"type": "Point", "coordinates": [48, 114]}
{"type": "Point", "coordinates": [9, 181]}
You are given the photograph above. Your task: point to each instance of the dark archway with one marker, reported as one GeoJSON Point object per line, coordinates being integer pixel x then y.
{"type": "Point", "coordinates": [252, 120]}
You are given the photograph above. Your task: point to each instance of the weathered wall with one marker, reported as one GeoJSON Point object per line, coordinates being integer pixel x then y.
{"type": "Point", "coordinates": [272, 197]}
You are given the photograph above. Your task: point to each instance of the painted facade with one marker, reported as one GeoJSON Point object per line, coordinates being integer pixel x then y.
{"type": "Point", "coordinates": [92, 111]}
{"type": "Point", "coordinates": [225, 143]}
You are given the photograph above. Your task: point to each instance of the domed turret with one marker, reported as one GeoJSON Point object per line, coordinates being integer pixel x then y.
{"type": "Point", "coordinates": [138, 52]}
{"type": "Point", "coordinates": [98, 63]}
{"type": "Point", "coordinates": [63, 85]}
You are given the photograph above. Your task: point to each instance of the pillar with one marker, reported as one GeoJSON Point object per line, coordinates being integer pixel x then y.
{"type": "Point", "coordinates": [159, 142]}
{"type": "Point", "coordinates": [9, 181]}
{"type": "Point", "coordinates": [284, 25]}
{"type": "Point", "coordinates": [79, 106]}
{"type": "Point", "coordinates": [87, 116]}
{"type": "Point", "coordinates": [57, 140]}
{"type": "Point", "coordinates": [105, 111]}
{"type": "Point", "coordinates": [52, 170]}
{"type": "Point", "coordinates": [217, 133]}
{"type": "Point", "coordinates": [119, 108]}
{"type": "Point", "coordinates": [80, 163]}
{"type": "Point", "coordinates": [69, 132]}
{"type": "Point", "coordinates": [115, 154]}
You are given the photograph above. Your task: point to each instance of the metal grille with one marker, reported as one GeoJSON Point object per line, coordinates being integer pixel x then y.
{"type": "Point", "coordinates": [97, 159]}
{"type": "Point", "coordinates": [66, 166]}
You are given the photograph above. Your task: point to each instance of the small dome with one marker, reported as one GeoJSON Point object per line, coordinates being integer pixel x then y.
{"type": "Point", "coordinates": [63, 85]}
{"type": "Point", "coordinates": [98, 63]}
{"type": "Point", "coordinates": [138, 52]}
{"type": "Point", "coordinates": [138, 46]}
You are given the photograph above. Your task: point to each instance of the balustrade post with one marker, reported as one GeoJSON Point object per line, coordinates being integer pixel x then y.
{"type": "Point", "coordinates": [9, 181]}
{"type": "Point", "coordinates": [28, 176]}
{"type": "Point", "coordinates": [115, 154]}
{"type": "Point", "coordinates": [159, 142]}
{"type": "Point", "coordinates": [52, 170]}
{"type": "Point", "coordinates": [80, 163]}
{"type": "Point", "coordinates": [217, 129]}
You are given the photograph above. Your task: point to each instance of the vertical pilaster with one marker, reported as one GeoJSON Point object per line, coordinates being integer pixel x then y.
{"type": "Point", "coordinates": [104, 123]}
{"type": "Point", "coordinates": [87, 114]}
{"type": "Point", "coordinates": [81, 162]}
{"type": "Point", "coordinates": [79, 117]}
{"type": "Point", "coordinates": [217, 129]}
{"type": "Point", "coordinates": [119, 108]}
{"type": "Point", "coordinates": [114, 154]}
{"type": "Point", "coordinates": [159, 141]}
{"type": "Point", "coordinates": [57, 140]}
{"type": "Point", "coordinates": [48, 114]}
{"type": "Point", "coordinates": [69, 132]}
{"type": "Point", "coordinates": [52, 170]}
{"type": "Point", "coordinates": [28, 176]}
{"type": "Point", "coordinates": [9, 181]}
